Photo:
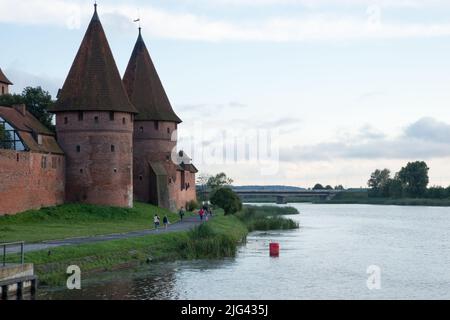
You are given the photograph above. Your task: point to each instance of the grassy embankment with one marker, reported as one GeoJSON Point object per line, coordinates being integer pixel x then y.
{"type": "Point", "coordinates": [76, 220]}
{"type": "Point", "coordinates": [219, 238]}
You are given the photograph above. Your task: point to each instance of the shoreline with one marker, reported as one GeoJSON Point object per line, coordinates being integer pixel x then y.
{"type": "Point", "coordinates": [375, 201]}
{"type": "Point", "coordinates": [219, 238]}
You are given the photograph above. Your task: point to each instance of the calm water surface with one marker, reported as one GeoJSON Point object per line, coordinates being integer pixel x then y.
{"type": "Point", "coordinates": [326, 259]}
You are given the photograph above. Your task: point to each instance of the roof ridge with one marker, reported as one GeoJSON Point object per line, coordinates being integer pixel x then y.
{"type": "Point", "coordinates": [144, 87]}
{"type": "Point", "coordinates": [94, 82]}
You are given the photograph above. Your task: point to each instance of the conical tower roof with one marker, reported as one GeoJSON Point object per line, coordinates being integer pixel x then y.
{"type": "Point", "coordinates": [144, 87]}
{"type": "Point", "coordinates": [3, 78]}
{"type": "Point", "coordinates": [94, 82]}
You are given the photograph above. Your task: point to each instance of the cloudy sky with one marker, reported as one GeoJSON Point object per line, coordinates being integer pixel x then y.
{"type": "Point", "coordinates": [333, 88]}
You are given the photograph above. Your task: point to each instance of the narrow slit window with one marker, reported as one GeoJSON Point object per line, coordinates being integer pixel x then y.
{"type": "Point", "coordinates": [80, 116]}
{"type": "Point", "coordinates": [156, 125]}
{"type": "Point", "coordinates": [124, 120]}
{"type": "Point", "coordinates": [113, 148]}
{"type": "Point", "coordinates": [111, 116]}
{"type": "Point", "coordinates": [96, 119]}
{"type": "Point", "coordinates": [78, 149]}
{"type": "Point", "coordinates": [66, 120]}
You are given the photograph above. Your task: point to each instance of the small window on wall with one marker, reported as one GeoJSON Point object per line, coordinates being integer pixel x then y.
{"type": "Point", "coordinates": [113, 148]}
{"type": "Point", "coordinates": [141, 129]}
{"type": "Point", "coordinates": [156, 125]}
{"type": "Point", "coordinates": [78, 149]}
{"type": "Point", "coordinates": [3, 90]}
{"type": "Point", "coordinates": [80, 116]}
{"type": "Point", "coordinates": [124, 120]}
{"type": "Point", "coordinates": [168, 130]}
{"type": "Point", "coordinates": [44, 163]}
{"type": "Point", "coordinates": [111, 116]}
{"type": "Point", "coordinates": [141, 178]}
{"type": "Point", "coordinates": [96, 119]}
{"type": "Point", "coordinates": [183, 180]}
{"type": "Point", "coordinates": [66, 120]}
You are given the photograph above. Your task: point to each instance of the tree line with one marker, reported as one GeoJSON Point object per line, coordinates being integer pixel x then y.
{"type": "Point", "coordinates": [410, 182]}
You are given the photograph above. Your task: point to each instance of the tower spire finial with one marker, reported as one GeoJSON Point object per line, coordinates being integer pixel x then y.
{"type": "Point", "coordinates": [95, 6]}
{"type": "Point", "coordinates": [139, 20]}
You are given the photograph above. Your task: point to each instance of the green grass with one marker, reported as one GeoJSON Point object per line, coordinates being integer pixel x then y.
{"type": "Point", "coordinates": [274, 210]}
{"type": "Point", "coordinates": [76, 220]}
{"type": "Point", "coordinates": [266, 218]}
{"type": "Point", "coordinates": [216, 239]}
{"type": "Point", "coordinates": [219, 238]}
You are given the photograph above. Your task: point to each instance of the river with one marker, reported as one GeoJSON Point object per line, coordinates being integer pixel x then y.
{"type": "Point", "coordinates": [327, 258]}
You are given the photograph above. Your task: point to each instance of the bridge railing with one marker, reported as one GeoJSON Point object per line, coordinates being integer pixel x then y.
{"type": "Point", "coordinates": [4, 251]}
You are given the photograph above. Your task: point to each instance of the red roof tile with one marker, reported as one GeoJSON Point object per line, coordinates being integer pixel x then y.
{"type": "Point", "coordinates": [145, 89]}
{"type": "Point", "coordinates": [94, 82]}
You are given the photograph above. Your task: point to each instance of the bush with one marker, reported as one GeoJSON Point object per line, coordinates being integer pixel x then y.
{"type": "Point", "coordinates": [228, 200]}
{"type": "Point", "coordinates": [192, 205]}
{"type": "Point", "coordinates": [205, 243]}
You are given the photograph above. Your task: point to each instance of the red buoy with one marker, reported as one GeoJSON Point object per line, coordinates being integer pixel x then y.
{"type": "Point", "coordinates": [274, 249]}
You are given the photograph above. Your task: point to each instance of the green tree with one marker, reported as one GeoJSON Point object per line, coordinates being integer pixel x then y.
{"type": "Point", "coordinates": [228, 200]}
{"type": "Point", "coordinates": [339, 187]}
{"type": "Point", "coordinates": [202, 183]}
{"type": "Point", "coordinates": [377, 182]}
{"type": "Point", "coordinates": [393, 188]}
{"type": "Point", "coordinates": [37, 101]}
{"type": "Point", "coordinates": [318, 186]}
{"type": "Point", "coordinates": [414, 178]}
{"type": "Point", "coordinates": [328, 187]}
{"type": "Point", "coordinates": [218, 181]}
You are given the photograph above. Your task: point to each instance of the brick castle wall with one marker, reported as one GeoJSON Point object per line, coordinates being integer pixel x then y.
{"type": "Point", "coordinates": [155, 143]}
{"type": "Point", "coordinates": [99, 156]}
{"type": "Point", "coordinates": [30, 180]}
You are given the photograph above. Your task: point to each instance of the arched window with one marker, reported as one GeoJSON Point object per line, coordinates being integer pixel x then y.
{"type": "Point", "coordinates": [78, 149]}
{"type": "Point", "coordinates": [113, 148]}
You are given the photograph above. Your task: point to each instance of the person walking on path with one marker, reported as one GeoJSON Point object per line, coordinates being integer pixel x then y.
{"type": "Point", "coordinates": [156, 220]}
{"type": "Point", "coordinates": [182, 213]}
{"type": "Point", "coordinates": [201, 213]}
{"type": "Point", "coordinates": [166, 222]}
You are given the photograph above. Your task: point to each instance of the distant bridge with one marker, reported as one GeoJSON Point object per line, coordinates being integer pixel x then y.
{"type": "Point", "coordinates": [282, 195]}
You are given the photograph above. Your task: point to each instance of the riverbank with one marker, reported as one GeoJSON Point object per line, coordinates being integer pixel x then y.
{"type": "Point", "coordinates": [217, 239]}
{"type": "Point", "coordinates": [77, 220]}
{"type": "Point", "coordinates": [363, 198]}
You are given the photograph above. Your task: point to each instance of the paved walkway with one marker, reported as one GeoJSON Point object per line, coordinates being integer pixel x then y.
{"type": "Point", "coordinates": [187, 224]}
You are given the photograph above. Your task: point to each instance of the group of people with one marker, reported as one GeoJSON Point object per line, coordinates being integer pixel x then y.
{"type": "Point", "coordinates": [204, 214]}
{"type": "Point", "coordinates": [157, 222]}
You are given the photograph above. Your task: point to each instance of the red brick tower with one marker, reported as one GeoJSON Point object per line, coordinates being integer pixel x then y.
{"type": "Point", "coordinates": [94, 124]}
{"type": "Point", "coordinates": [156, 178]}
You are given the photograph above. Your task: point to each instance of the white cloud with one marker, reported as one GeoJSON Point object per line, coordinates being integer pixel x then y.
{"type": "Point", "coordinates": [188, 26]}
{"type": "Point", "coordinates": [424, 139]}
